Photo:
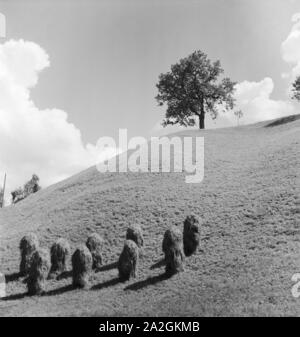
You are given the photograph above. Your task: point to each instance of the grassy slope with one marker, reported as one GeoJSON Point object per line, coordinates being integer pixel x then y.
{"type": "Point", "coordinates": [250, 206]}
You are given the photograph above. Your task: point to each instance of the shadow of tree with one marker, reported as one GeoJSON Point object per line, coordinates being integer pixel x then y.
{"type": "Point", "coordinates": [12, 277]}
{"type": "Point", "coordinates": [149, 281]}
{"type": "Point", "coordinates": [283, 120]}
{"type": "Point", "coordinates": [107, 284]}
{"type": "Point", "coordinates": [158, 264]}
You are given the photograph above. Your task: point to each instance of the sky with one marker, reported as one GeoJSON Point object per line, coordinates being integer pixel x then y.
{"type": "Point", "coordinates": [72, 71]}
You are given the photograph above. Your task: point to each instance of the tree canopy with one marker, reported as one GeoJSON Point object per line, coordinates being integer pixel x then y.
{"type": "Point", "coordinates": [296, 89]}
{"type": "Point", "coordinates": [192, 88]}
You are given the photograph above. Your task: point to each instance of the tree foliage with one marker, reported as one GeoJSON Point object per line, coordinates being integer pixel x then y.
{"type": "Point", "coordinates": [296, 89]}
{"type": "Point", "coordinates": [192, 88]}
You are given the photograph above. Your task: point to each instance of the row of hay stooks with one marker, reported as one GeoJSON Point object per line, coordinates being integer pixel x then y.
{"type": "Point", "coordinates": [38, 265]}
{"type": "Point", "coordinates": [32, 186]}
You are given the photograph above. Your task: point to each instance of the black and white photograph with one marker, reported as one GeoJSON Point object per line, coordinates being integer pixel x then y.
{"type": "Point", "coordinates": [149, 161]}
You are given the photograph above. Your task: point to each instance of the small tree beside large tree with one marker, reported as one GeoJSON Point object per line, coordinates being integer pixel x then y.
{"type": "Point", "coordinates": [193, 88]}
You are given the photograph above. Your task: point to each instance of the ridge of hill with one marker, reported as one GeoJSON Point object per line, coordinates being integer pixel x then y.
{"type": "Point", "coordinates": [249, 206]}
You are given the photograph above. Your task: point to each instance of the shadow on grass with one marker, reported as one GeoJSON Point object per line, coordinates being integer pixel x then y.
{"type": "Point", "coordinates": [14, 297]}
{"type": "Point", "coordinates": [59, 291]}
{"type": "Point", "coordinates": [283, 120]}
{"type": "Point", "coordinates": [149, 281]}
{"type": "Point", "coordinates": [108, 267]}
{"type": "Point", "coordinates": [158, 264]}
{"type": "Point", "coordinates": [64, 275]}
{"type": "Point", "coordinates": [46, 293]}
{"type": "Point", "coordinates": [67, 274]}
{"type": "Point", "coordinates": [107, 284]}
{"type": "Point", "coordinates": [12, 277]}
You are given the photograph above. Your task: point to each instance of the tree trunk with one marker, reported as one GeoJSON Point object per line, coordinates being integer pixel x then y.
{"type": "Point", "coordinates": [201, 115]}
{"type": "Point", "coordinates": [201, 121]}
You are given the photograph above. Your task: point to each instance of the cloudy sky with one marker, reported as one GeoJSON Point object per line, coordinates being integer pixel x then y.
{"type": "Point", "coordinates": [73, 71]}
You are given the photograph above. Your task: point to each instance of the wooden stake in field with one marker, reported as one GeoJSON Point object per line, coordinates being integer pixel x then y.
{"type": "Point", "coordinates": [3, 192]}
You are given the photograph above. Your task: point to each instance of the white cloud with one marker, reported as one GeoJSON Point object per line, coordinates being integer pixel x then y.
{"type": "Point", "coordinates": [254, 99]}
{"type": "Point", "coordinates": [33, 140]}
{"type": "Point", "coordinates": [290, 48]}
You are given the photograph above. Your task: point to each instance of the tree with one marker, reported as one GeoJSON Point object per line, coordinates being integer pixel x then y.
{"type": "Point", "coordinates": [296, 89]}
{"type": "Point", "coordinates": [239, 114]}
{"type": "Point", "coordinates": [191, 89]}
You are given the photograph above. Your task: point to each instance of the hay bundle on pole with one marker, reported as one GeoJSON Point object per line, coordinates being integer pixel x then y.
{"type": "Point", "coordinates": [60, 251]}
{"type": "Point", "coordinates": [172, 248]}
{"type": "Point", "coordinates": [28, 245]}
{"type": "Point", "coordinates": [172, 237]}
{"type": "Point", "coordinates": [82, 263]}
{"type": "Point", "coordinates": [95, 244]}
{"type": "Point", "coordinates": [191, 235]}
{"type": "Point", "coordinates": [128, 261]}
{"type": "Point", "coordinates": [38, 272]}
{"type": "Point", "coordinates": [135, 233]}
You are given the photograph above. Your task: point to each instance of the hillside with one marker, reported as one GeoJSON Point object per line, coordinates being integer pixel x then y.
{"type": "Point", "coordinates": [249, 203]}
